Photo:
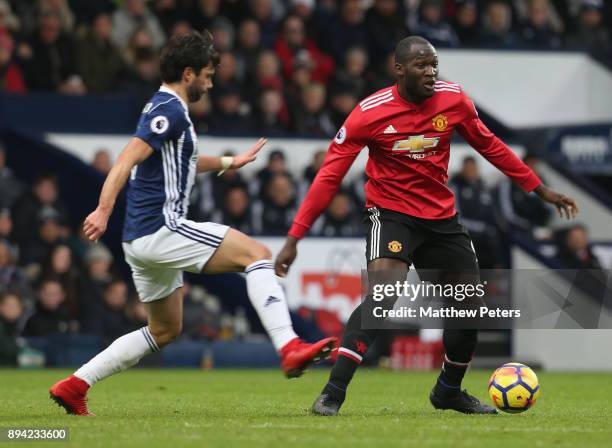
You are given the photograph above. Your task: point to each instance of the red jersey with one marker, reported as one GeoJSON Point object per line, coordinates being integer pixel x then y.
{"type": "Point", "coordinates": [409, 149]}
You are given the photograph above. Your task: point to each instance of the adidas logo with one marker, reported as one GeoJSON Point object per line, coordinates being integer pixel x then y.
{"type": "Point", "coordinates": [390, 130]}
{"type": "Point", "coordinates": [272, 300]}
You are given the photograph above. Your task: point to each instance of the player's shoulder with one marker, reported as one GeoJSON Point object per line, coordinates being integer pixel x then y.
{"type": "Point", "coordinates": [376, 99]}
{"type": "Point", "coordinates": [448, 87]}
{"type": "Point", "coordinates": [163, 102]}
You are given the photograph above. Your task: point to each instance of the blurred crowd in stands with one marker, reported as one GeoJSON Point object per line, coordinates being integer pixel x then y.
{"type": "Point", "coordinates": [52, 280]}
{"type": "Point", "coordinates": [287, 66]}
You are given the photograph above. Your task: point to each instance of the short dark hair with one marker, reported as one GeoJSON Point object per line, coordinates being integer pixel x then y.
{"type": "Point", "coordinates": [192, 49]}
{"type": "Point", "coordinates": [404, 47]}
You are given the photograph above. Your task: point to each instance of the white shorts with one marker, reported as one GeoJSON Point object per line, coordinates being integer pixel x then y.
{"type": "Point", "coordinates": [158, 260]}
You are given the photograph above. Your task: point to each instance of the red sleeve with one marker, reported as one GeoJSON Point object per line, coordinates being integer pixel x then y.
{"type": "Point", "coordinates": [474, 131]}
{"type": "Point", "coordinates": [343, 150]}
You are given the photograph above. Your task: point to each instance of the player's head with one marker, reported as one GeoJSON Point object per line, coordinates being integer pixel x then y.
{"type": "Point", "coordinates": [416, 67]}
{"type": "Point", "coordinates": [190, 59]}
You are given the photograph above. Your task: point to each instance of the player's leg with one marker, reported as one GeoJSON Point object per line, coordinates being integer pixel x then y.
{"type": "Point", "coordinates": [388, 249]}
{"type": "Point", "coordinates": [449, 258]}
{"type": "Point", "coordinates": [165, 318]}
{"type": "Point", "coordinates": [356, 339]}
{"type": "Point", "coordinates": [240, 253]}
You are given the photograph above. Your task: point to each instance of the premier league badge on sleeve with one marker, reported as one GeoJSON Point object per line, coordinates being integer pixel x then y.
{"type": "Point", "coordinates": [341, 136]}
{"type": "Point", "coordinates": [159, 124]}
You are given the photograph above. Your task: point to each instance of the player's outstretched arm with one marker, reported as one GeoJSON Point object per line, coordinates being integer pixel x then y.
{"type": "Point", "coordinates": [135, 152]}
{"type": "Point", "coordinates": [208, 163]}
{"type": "Point", "coordinates": [566, 206]}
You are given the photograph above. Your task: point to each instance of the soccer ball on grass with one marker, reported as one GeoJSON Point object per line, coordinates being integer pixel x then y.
{"type": "Point", "coordinates": [514, 388]}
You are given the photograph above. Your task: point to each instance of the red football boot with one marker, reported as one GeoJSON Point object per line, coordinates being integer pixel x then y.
{"type": "Point", "coordinates": [71, 394]}
{"type": "Point", "coordinates": [297, 355]}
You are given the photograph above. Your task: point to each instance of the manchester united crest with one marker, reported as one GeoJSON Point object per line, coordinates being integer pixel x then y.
{"type": "Point", "coordinates": [440, 122]}
{"type": "Point", "coordinates": [395, 246]}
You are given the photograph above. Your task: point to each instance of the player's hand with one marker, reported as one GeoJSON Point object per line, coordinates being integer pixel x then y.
{"type": "Point", "coordinates": [95, 224]}
{"type": "Point", "coordinates": [247, 157]}
{"type": "Point", "coordinates": [285, 257]}
{"type": "Point", "coordinates": [566, 206]}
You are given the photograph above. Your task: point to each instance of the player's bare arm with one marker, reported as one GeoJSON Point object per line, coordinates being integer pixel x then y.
{"type": "Point", "coordinates": [134, 153]}
{"type": "Point", "coordinates": [566, 206]}
{"type": "Point", "coordinates": [209, 163]}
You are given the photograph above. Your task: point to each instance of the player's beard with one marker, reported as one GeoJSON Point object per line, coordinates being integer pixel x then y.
{"type": "Point", "coordinates": [194, 93]}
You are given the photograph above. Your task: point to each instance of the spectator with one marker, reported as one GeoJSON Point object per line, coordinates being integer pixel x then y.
{"type": "Point", "coordinates": [99, 61]}
{"type": "Point", "coordinates": [353, 72]}
{"type": "Point", "coordinates": [384, 74]}
{"type": "Point", "coordinates": [575, 250]}
{"type": "Point", "coordinates": [248, 49]}
{"type": "Point", "coordinates": [338, 219]}
{"type": "Point", "coordinates": [432, 25]}
{"type": "Point", "coordinates": [204, 13]}
{"type": "Point", "coordinates": [591, 34]}
{"type": "Point", "coordinates": [110, 320]}
{"type": "Point", "coordinates": [12, 278]}
{"type": "Point", "coordinates": [39, 247]}
{"type": "Point", "coordinates": [11, 311]}
{"type": "Point", "coordinates": [179, 28]}
{"type": "Point", "coordinates": [522, 210]}
{"type": "Point", "coordinates": [306, 10]}
{"type": "Point", "coordinates": [10, 187]}
{"type": "Point", "coordinates": [170, 13]}
{"type": "Point", "coordinates": [277, 164]}
{"type": "Point", "coordinates": [9, 22]}
{"type": "Point", "coordinates": [236, 210]}
{"type": "Point", "coordinates": [293, 45]}
{"type": "Point", "coordinates": [343, 100]}
{"type": "Point", "coordinates": [347, 29]}
{"type": "Point", "coordinates": [228, 119]}
{"type": "Point", "coordinates": [141, 39]}
{"type": "Point", "coordinates": [465, 23]}
{"type": "Point", "coordinates": [226, 72]}
{"type": "Point", "coordinates": [263, 13]}
{"type": "Point", "coordinates": [270, 120]}
{"type": "Point", "coordinates": [474, 203]}
{"type": "Point", "coordinates": [311, 119]}
{"type": "Point", "coordinates": [36, 8]}
{"type": "Point", "coordinates": [134, 14]}
{"type": "Point", "coordinates": [102, 161]}
{"type": "Point", "coordinates": [385, 25]}
{"type": "Point", "coordinates": [310, 172]}
{"type": "Point", "coordinates": [267, 76]}
{"type": "Point", "coordinates": [143, 79]}
{"type": "Point", "coordinates": [43, 201]}
{"type": "Point", "coordinates": [48, 59]}
{"type": "Point", "coordinates": [11, 76]}
{"type": "Point", "coordinates": [60, 266]}
{"type": "Point", "coordinates": [537, 33]}
{"type": "Point", "coordinates": [496, 30]}
{"type": "Point", "coordinates": [278, 206]}
{"type": "Point", "coordinates": [51, 315]}
{"type": "Point", "coordinates": [224, 34]}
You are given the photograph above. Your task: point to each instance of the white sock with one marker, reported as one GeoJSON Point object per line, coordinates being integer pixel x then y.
{"type": "Point", "coordinates": [269, 301]}
{"type": "Point", "coordinates": [120, 355]}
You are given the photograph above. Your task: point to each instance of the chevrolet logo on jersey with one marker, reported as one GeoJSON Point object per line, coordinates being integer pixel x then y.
{"type": "Point", "coordinates": [416, 143]}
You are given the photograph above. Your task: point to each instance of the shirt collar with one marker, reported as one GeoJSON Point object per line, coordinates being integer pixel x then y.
{"type": "Point", "coordinates": [169, 91]}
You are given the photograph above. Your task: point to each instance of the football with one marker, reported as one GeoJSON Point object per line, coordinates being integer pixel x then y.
{"type": "Point", "coordinates": [514, 388]}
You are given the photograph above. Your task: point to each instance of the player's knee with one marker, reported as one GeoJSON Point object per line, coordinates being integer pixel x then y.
{"type": "Point", "coordinates": [257, 252]}
{"type": "Point", "coordinates": [166, 334]}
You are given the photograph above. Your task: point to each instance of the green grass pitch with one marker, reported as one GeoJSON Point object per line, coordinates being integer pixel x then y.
{"type": "Point", "coordinates": [260, 408]}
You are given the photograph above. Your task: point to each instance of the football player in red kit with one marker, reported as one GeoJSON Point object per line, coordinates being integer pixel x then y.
{"type": "Point", "coordinates": [410, 212]}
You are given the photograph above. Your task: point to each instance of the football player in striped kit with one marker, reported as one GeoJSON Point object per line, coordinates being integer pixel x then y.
{"type": "Point", "coordinates": [159, 242]}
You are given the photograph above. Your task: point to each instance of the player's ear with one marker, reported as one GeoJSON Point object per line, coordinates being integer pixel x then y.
{"type": "Point", "coordinates": [399, 70]}
{"type": "Point", "coordinates": [188, 74]}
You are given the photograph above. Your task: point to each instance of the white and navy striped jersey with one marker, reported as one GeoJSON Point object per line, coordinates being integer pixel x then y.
{"type": "Point", "coordinates": [159, 188]}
